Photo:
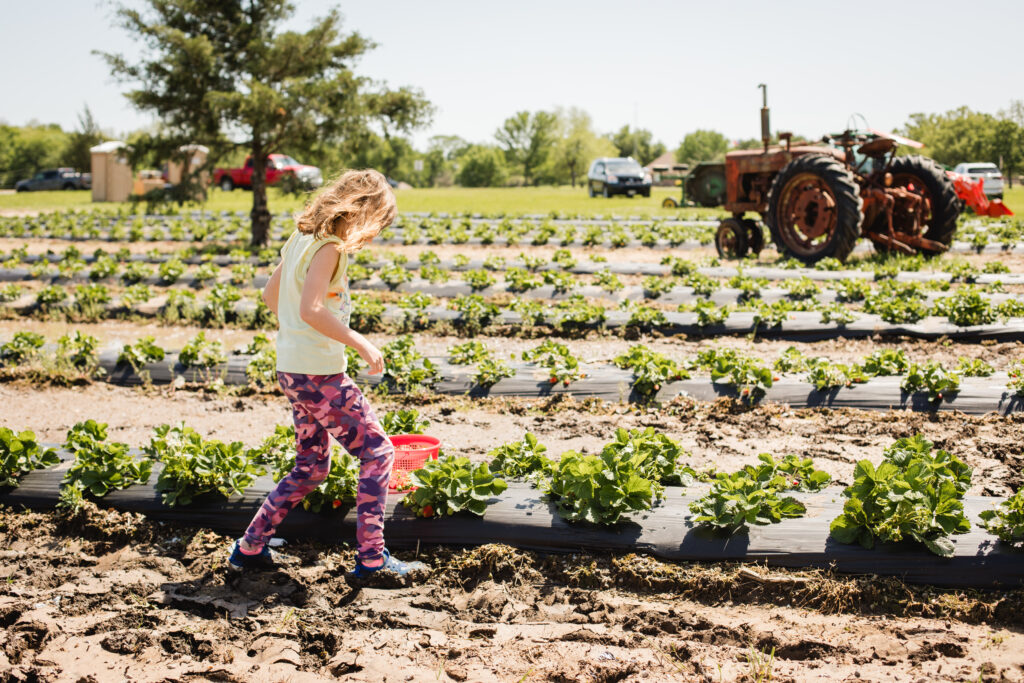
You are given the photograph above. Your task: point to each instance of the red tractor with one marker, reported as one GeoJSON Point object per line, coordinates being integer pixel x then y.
{"type": "Point", "coordinates": [818, 200]}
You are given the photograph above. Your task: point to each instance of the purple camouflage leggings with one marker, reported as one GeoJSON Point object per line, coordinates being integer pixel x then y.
{"type": "Point", "coordinates": [322, 406]}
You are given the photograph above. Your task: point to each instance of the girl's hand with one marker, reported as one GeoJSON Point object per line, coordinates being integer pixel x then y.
{"type": "Point", "coordinates": [372, 356]}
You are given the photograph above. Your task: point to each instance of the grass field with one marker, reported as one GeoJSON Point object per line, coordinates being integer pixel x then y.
{"type": "Point", "coordinates": [507, 200]}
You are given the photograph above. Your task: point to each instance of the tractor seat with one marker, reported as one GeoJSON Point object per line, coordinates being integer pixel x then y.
{"type": "Point", "coordinates": [878, 147]}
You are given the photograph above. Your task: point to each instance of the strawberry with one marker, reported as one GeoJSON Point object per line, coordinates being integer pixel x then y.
{"type": "Point", "coordinates": [553, 380]}
{"type": "Point", "coordinates": [336, 504]}
{"type": "Point", "coordinates": [427, 511]}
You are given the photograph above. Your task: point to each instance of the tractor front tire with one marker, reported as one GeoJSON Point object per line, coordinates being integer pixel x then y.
{"type": "Point", "coordinates": [731, 239]}
{"type": "Point", "coordinates": [669, 203]}
{"type": "Point", "coordinates": [944, 206]}
{"type": "Point", "coordinates": [814, 209]}
{"type": "Point", "coordinates": [755, 236]}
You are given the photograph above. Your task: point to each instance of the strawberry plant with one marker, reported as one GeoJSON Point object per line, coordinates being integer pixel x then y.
{"type": "Point", "coordinates": [393, 275]}
{"type": "Point", "coordinates": [492, 262]}
{"type": "Point", "coordinates": [656, 285]}
{"type": "Point", "coordinates": [520, 280]}
{"type": "Point", "coordinates": [802, 288]}
{"type": "Point", "coordinates": [261, 370]}
{"type": "Point", "coordinates": [739, 499]}
{"type": "Point", "coordinates": [767, 316]}
{"type": "Point", "coordinates": [530, 312]}
{"type": "Point", "coordinates": [851, 289]}
{"type": "Point", "coordinates": [1015, 371]}
{"type": "Point", "coordinates": [200, 353]}
{"type": "Point", "coordinates": [915, 494]}
{"type": "Point", "coordinates": [180, 305]}
{"type": "Point", "coordinates": [600, 488]}
{"type": "Point", "coordinates": [679, 267]}
{"type": "Point", "coordinates": [23, 347]}
{"type": "Point", "coordinates": [404, 422]}
{"type": "Point", "coordinates": [434, 275]}
{"type": "Point", "coordinates": [478, 279]}
{"type": "Point", "coordinates": [48, 297]}
{"type": "Point", "coordinates": [136, 294]}
{"type": "Point", "coordinates": [558, 360]}
{"type": "Point", "coordinates": [414, 310]}
{"type": "Point", "coordinates": [564, 258]}
{"type": "Point", "coordinates": [405, 369]}
{"type": "Point", "coordinates": [973, 367]}
{"type": "Point", "coordinates": [931, 376]}
{"type": "Point", "coordinates": [701, 284]}
{"type": "Point", "coordinates": [468, 353]}
{"type": "Point", "coordinates": [651, 370]}
{"type": "Point", "coordinates": [90, 302]}
{"type": "Point", "coordinates": [242, 274]}
{"type": "Point", "coordinates": [576, 315]}
{"type": "Point", "coordinates": [520, 459]}
{"type": "Point", "coordinates": [193, 466]}
{"type": "Point", "coordinates": [449, 485]}
{"type": "Point", "coordinates": [643, 318]}
{"type": "Point", "coordinates": [20, 453]}
{"type": "Point", "coordinates": [1007, 520]}
{"type": "Point", "coordinates": [562, 282]}
{"type": "Point", "coordinates": [608, 281]}
{"type": "Point", "coordinates": [750, 378]}
{"type": "Point", "coordinates": [367, 313]}
{"type": "Point", "coordinates": [475, 313]}
{"type": "Point", "coordinates": [100, 465]}
{"type": "Point", "coordinates": [490, 371]}
{"type": "Point", "coordinates": [825, 376]}
{"type": "Point", "coordinates": [78, 351]}
{"type": "Point", "coordinates": [965, 307]}
{"type": "Point", "coordinates": [219, 306]}
{"type": "Point", "coordinates": [886, 362]}
{"type": "Point", "coordinates": [710, 313]}
{"type": "Point", "coordinates": [660, 456]}
{"type": "Point", "coordinates": [170, 271]}
{"type": "Point", "coordinates": [837, 313]}
{"type": "Point", "coordinates": [135, 272]}
{"type": "Point", "coordinates": [10, 292]}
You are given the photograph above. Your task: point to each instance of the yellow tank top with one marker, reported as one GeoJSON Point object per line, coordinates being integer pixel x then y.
{"type": "Point", "coordinates": [300, 348]}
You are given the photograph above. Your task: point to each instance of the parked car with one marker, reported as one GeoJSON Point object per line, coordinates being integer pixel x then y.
{"type": "Point", "coordinates": [55, 179]}
{"type": "Point", "coordinates": [988, 173]}
{"type": "Point", "coordinates": [610, 176]}
{"type": "Point", "coordinates": [278, 166]}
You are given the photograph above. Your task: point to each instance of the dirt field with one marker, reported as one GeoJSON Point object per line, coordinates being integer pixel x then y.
{"type": "Point", "coordinates": [112, 597]}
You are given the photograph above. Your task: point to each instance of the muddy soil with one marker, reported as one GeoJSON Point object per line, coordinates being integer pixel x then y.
{"type": "Point", "coordinates": [109, 596]}
{"type": "Point", "coordinates": [716, 435]}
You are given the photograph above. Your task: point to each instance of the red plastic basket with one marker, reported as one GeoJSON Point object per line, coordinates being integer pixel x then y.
{"type": "Point", "coordinates": [411, 451]}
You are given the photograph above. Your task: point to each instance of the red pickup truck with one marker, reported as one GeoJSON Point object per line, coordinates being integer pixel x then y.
{"type": "Point", "coordinates": [278, 166]}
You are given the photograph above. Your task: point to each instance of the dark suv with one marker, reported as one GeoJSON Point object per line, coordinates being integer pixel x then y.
{"type": "Point", "coordinates": [608, 176]}
{"type": "Point", "coordinates": [56, 179]}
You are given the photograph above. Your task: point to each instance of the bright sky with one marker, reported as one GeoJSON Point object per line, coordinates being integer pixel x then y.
{"type": "Point", "coordinates": [665, 65]}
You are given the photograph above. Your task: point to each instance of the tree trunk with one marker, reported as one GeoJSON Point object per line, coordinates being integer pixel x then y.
{"type": "Point", "coordinates": [260, 213]}
{"type": "Point", "coordinates": [572, 174]}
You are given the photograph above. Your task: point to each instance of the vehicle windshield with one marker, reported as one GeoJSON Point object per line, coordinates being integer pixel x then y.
{"type": "Point", "coordinates": [281, 162]}
{"type": "Point", "coordinates": [987, 170]}
{"type": "Point", "coordinates": [622, 167]}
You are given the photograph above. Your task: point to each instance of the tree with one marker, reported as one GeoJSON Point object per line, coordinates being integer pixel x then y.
{"type": "Point", "coordinates": [442, 151]}
{"type": "Point", "coordinates": [25, 150]}
{"type": "Point", "coordinates": [225, 74]}
{"type": "Point", "coordinates": [527, 140]}
{"type": "Point", "coordinates": [956, 136]}
{"type": "Point", "coordinates": [575, 146]}
{"type": "Point", "coordinates": [88, 135]}
{"type": "Point", "coordinates": [638, 144]}
{"type": "Point", "coordinates": [482, 166]}
{"type": "Point", "coordinates": [701, 145]}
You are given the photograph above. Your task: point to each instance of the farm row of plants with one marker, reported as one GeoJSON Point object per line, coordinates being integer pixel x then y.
{"type": "Point", "coordinates": [225, 303]}
{"type": "Point", "coordinates": [408, 371]}
{"type": "Point", "coordinates": [915, 494]}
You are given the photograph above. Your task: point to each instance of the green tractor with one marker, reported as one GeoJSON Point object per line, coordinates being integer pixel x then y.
{"type": "Point", "coordinates": [704, 185]}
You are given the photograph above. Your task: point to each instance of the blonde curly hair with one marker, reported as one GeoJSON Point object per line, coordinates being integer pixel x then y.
{"type": "Point", "coordinates": [355, 207]}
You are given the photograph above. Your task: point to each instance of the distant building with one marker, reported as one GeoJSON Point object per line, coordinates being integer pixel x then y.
{"type": "Point", "coordinates": [666, 170]}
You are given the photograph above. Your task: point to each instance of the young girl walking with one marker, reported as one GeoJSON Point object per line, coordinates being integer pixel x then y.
{"type": "Point", "coordinates": [308, 292]}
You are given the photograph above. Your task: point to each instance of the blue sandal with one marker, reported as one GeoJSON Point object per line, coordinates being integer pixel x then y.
{"type": "Point", "coordinates": [392, 568]}
{"type": "Point", "coordinates": [262, 561]}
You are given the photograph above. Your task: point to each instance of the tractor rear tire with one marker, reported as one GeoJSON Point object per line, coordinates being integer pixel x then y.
{"type": "Point", "coordinates": [945, 206]}
{"type": "Point", "coordinates": [814, 196]}
{"type": "Point", "coordinates": [669, 203]}
{"type": "Point", "coordinates": [731, 239]}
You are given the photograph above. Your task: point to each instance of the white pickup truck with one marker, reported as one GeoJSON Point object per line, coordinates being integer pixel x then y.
{"type": "Point", "coordinates": [988, 173]}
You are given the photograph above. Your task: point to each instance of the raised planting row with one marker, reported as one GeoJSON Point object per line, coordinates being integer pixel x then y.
{"type": "Point", "coordinates": [637, 493]}
{"type": "Point", "coordinates": [965, 315]}
{"type": "Point", "coordinates": [883, 381]}
{"type": "Point", "coordinates": [995, 238]}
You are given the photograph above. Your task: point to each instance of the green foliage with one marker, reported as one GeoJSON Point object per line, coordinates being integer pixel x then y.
{"type": "Point", "coordinates": [750, 378]}
{"type": "Point", "coordinates": [78, 351]}
{"type": "Point", "coordinates": [651, 370]}
{"type": "Point", "coordinates": [710, 313]}
{"type": "Point", "coordinates": [339, 487]}
{"type": "Point", "coordinates": [600, 488]}
{"type": "Point", "coordinates": [468, 353]}
{"type": "Point", "coordinates": [393, 275]}
{"type": "Point", "coordinates": [367, 313]}
{"type": "Point", "coordinates": [198, 352]}
{"type": "Point", "coordinates": [608, 281]}
{"type": "Point", "coordinates": [48, 297]}
{"type": "Point", "coordinates": [482, 166]}
{"type": "Point", "coordinates": [886, 362]}
{"type": "Point", "coordinates": [741, 498]}
{"type": "Point", "coordinates": [561, 281]}
{"type": "Point", "coordinates": [478, 279]}
{"type": "Point", "coordinates": [802, 288]}
{"type": "Point", "coordinates": [193, 466]}
{"type": "Point", "coordinates": [490, 371]}
{"type": "Point", "coordinates": [973, 367]}
{"type": "Point", "coordinates": [643, 318]}
{"type": "Point", "coordinates": [404, 422]}
{"type": "Point", "coordinates": [90, 301]}
{"type": "Point", "coordinates": [701, 145]}
{"type": "Point", "coordinates": [656, 285]}
{"type": "Point", "coordinates": [449, 485]}
{"type": "Point", "coordinates": [561, 364]}
{"type": "Point", "coordinates": [180, 305]}
{"type": "Point", "coordinates": [521, 280]}
{"type": "Point", "coordinates": [658, 457]}
{"type": "Point", "coordinates": [100, 465]}
{"type": "Point", "coordinates": [825, 376]}
{"type": "Point", "coordinates": [476, 314]}
{"type": "Point", "coordinates": [23, 347]}
{"type": "Point", "coordinates": [405, 369]}
{"type": "Point", "coordinates": [20, 453]}
{"type": "Point", "coordinates": [520, 459]}
{"type": "Point", "coordinates": [966, 306]}
{"type": "Point", "coordinates": [852, 289]}
{"type": "Point", "coordinates": [1007, 520]}
{"type": "Point", "coordinates": [837, 313]}
{"type": "Point", "coordinates": [915, 494]}
{"type": "Point", "coordinates": [931, 376]}
{"type": "Point", "coordinates": [261, 370]}
{"type": "Point", "coordinates": [10, 292]}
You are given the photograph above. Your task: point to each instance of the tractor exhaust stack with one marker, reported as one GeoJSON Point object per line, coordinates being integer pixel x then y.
{"type": "Point", "coordinates": [766, 129]}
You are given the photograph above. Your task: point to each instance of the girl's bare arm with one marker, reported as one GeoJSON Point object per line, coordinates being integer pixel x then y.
{"type": "Point", "coordinates": [315, 314]}
{"type": "Point", "coordinates": [272, 288]}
